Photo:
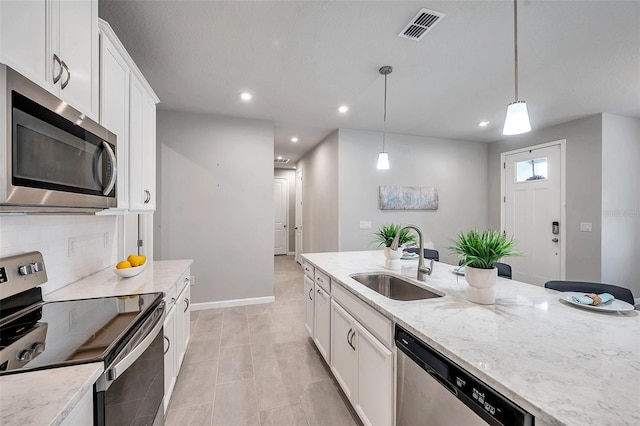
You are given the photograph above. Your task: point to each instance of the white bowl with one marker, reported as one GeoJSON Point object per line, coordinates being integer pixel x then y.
{"type": "Point", "coordinates": [129, 272]}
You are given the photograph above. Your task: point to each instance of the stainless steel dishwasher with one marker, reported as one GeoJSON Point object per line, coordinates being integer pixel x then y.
{"type": "Point", "coordinates": [434, 391]}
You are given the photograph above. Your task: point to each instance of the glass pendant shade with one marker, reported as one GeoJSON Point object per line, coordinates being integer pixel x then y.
{"type": "Point", "coordinates": [383, 161]}
{"type": "Point", "coordinates": [517, 120]}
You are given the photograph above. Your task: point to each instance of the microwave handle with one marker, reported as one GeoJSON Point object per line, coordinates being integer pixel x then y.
{"type": "Point", "coordinates": [112, 160]}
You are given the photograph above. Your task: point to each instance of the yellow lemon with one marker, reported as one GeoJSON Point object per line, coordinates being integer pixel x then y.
{"type": "Point", "coordinates": [123, 265]}
{"type": "Point", "coordinates": [136, 260]}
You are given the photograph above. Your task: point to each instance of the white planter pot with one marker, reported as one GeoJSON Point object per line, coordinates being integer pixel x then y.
{"type": "Point", "coordinates": [392, 258]}
{"type": "Point", "coordinates": [481, 282]}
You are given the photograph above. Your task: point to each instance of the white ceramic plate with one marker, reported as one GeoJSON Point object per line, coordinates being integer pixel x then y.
{"type": "Point", "coordinates": [613, 306]}
{"type": "Point", "coordinates": [458, 270]}
{"type": "Point", "coordinates": [415, 256]}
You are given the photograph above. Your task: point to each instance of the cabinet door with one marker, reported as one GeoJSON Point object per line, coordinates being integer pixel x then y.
{"type": "Point", "coordinates": [78, 49]}
{"type": "Point", "coordinates": [309, 305]}
{"type": "Point", "coordinates": [343, 355]}
{"type": "Point", "coordinates": [183, 305]}
{"type": "Point", "coordinates": [374, 379]}
{"type": "Point", "coordinates": [322, 323]}
{"type": "Point", "coordinates": [169, 353]}
{"type": "Point", "coordinates": [142, 149]}
{"type": "Point", "coordinates": [24, 41]}
{"type": "Point", "coordinates": [114, 109]}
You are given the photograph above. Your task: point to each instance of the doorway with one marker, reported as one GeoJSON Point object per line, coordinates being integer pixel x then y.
{"type": "Point", "coordinates": [298, 210]}
{"type": "Point", "coordinates": [533, 200]}
{"type": "Point", "coordinates": [281, 215]}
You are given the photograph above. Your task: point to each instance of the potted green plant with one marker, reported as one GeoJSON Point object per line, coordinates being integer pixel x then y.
{"type": "Point", "coordinates": [384, 237]}
{"type": "Point", "coordinates": [479, 251]}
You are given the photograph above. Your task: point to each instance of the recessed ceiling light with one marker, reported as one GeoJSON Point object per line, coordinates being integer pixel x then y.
{"type": "Point", "coordinates": [294, 167]}
{"type": "Point", "coordinates": [246, 96]}
{"type": "Point", "coordinates": [483, 123]}
{"type": "Point", "coordinates": [294, 139]}
{"type": "Point", "coordinates": [279, 157]}
{"type": "Point", "coordinates": [343, 109]}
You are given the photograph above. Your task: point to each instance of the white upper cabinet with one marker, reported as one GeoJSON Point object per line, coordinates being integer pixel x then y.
{"type": "Point", "coordinates": [114, 106]}
{"type": "Point", "coordinates": [55, 44]}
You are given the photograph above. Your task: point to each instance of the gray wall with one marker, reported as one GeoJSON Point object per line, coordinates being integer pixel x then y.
{"type": "Point", "coordinates": [583, 188]}
{"type": "Point", "coordinates": [621, 201]}
{"type": "Point", "coordinates": [291, 180]}
{"type": "Point", "coordinates": [320, 196]}
{"type": "Point", "coordinates": [457, 168]}
{"type": "Point", "coordinates": [215, 202]}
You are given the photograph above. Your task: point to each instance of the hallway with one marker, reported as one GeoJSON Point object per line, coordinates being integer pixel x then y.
{"type": "Point", "coordinates": [256, 365]}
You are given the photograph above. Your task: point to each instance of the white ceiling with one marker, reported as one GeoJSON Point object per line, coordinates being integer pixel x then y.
{"type": "Point", "coordinates": [302, 59]}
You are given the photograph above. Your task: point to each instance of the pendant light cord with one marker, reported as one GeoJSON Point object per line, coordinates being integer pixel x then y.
{"type": "Point", "coordinates": [515, 42]}
{"type": "Point", "coordinates": [384, 129]}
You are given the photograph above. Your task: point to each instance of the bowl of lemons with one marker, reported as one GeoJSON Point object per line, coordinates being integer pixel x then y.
{"type": "Point", "coordinates": [130, 267]}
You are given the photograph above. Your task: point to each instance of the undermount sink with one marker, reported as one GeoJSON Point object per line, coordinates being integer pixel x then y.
{"type": "Point", "coordinates": [393, 287]}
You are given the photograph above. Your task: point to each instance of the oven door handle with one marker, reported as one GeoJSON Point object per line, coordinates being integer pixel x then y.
{"type": "Point", "coordinates": [114, 168]}
{"type": "Point", "coordinates": [126, 362]}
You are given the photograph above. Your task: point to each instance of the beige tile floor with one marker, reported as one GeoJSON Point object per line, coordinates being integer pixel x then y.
{"type": "Point", "coordinates": [256, 365]}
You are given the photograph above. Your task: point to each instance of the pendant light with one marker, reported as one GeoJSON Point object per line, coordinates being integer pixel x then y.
{"type": "Point", "coordinates": [517, 119]}
{"type": "Point", "coordinates": [383, 157]}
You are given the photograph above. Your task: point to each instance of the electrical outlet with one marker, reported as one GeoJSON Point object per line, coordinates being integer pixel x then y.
{"type": "Point", "coordinates": [72, 246]}
{"type": "Point", "coordinates": [105, 241]}
{"type": "Point", "coordinates": [192, 280]}
{"type": "Point", "coordinates": [365, 224]}
{"type": "Point", "coordinates": [585, 226]}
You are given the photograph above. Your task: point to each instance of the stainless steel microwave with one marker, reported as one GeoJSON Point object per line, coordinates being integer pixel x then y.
{"type": "Point", "coordinates": [56, 158]}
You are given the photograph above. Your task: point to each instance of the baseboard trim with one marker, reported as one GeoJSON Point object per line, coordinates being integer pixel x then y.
{"type": "Point", "coordinates": [232, 303]}
{"type": "Point", "coordinates": [291, 253]}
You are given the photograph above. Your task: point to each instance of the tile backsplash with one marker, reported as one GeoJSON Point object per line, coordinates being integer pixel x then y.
{"type": "Point", "coordinates": [94, 244]}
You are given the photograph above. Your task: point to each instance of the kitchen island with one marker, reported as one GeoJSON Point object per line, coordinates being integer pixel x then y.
{"type": "Point", "coordinates": [48, 397]}
{"type": "Point", "coordinates": [563, 364]}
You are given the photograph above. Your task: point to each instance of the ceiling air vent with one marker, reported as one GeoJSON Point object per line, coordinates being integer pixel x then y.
{"type": "Point", "coordinates": [281, 160]}
{"type": "Point", "coordinates": [421, 24]}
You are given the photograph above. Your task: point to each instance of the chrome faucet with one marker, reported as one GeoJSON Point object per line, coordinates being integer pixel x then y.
{"type": "Point", "coordinates": [422, 270]}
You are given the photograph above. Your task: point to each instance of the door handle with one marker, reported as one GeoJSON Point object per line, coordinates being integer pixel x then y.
{"type": "Point", "coordinates": [187, 302]}
{"type": "Point", "coordinates": [148, 196]}
{"type": "Point", "coordinates": [351, 340]}
{"type": "Point", "coordinates": [555, 240]}
{"type": "Point", "coordinates": [310, 291]}
{"type": "Point", "coordinates": [348, 336]}
{"type": "Point", "coordinates": [57, 59]}
{"type": "Point", "coordinates": [284, 226]}
{"type": "Point", "coordinates": [114, 168]}
{"type": "Point", "coordinates": [68, 75]}
{"type": "Point", "coordinates": [168, 344]}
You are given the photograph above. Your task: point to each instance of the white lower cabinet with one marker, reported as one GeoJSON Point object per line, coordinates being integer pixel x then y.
{"type": "Point", "coordinates": [82, 413]}
{"type": "Point", "coordinates": [183, 307]}
{"type": "Point", "coordinates": [309, 304]}
{"type": "Point", "coordinates": [322, 322]}
{"type": "Point", "coordinates": [169, 352]}
{"type": "Point", "coordinates": [363, 367]}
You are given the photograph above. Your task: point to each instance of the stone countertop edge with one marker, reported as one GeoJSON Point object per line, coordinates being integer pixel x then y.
{"type": "Point", "coordinates": [157, 277]}
{"type": "Point", "coordinates": [531, 310]}
{"type": "Point", "coordinates": [45, 397]}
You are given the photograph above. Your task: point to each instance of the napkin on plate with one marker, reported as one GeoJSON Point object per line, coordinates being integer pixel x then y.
{"type": "Point", "coordinates": [592, 299]}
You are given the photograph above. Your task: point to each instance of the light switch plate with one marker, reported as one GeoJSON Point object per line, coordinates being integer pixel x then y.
{"type": "Point", "coordinates": [365, 224]}
{"type": "Point", "coordinates": [585, 226]}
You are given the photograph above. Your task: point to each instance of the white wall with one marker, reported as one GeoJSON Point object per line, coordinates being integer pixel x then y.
{"type": "Point", "coordinates": [49, 234]}
{"type": "Point", "coordinates": [290, 175]}
{"type": "Point", "coordinates": [621, 201]}
{"type": "Point", "coordinates": [457, 168]}
{"type": "Point", "coordinates": [215, 202]}
{"type": "Point", "coordinates": [583, 188]}
{"type": "Point", "coordinates": [320, 196]}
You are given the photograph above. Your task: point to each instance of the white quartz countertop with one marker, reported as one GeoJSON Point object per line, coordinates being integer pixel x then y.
{"type": "Point", "coordinates": [563, 364]}
{"type": "Point", "coordinates": [45, 397]}
{"type": "Point", "coordinates": [158, 276]}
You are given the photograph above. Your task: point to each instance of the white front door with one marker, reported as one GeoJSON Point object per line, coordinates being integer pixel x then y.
{"type": "Point", "coordinates": [298, 215]}
{"type": "Point", "coordinates": [532, 182]}
{"type": "Point", "coordinates": [281, 203]}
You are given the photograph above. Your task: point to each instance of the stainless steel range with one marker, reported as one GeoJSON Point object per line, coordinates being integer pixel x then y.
{"type": "Point", "coordinates": [124, 332]}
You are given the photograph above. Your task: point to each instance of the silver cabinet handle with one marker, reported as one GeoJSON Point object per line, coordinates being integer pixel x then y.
{"type": "Point", "coordinates": [555, 240]}
{"type": "Point", "coordinates": [187, 302]}
{"type": "Point", "coordinates": [348, 336]}
{"type": "Point", "coordinates": [57, 59]}
{"type": "Point", "coordinates": [148, 196]}
{"type": "Point", "coordinates": [310, 291]}
{"type": "Point", "coordinates": [68, 75]}
{"type": "Point", "coordinates": [351, 341]}
{"type": "Point", "coordinates": [173, 300]}
{"type": "Point", "coordinates": [168, 345]}
{"type": "Point", "coordinates": [114, 168]}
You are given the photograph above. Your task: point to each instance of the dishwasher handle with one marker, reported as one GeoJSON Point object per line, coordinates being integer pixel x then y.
{"type": "Point", "coordinates": [444, 382]}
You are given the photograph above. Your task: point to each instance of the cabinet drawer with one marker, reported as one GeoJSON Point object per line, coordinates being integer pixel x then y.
{"type": "Point", "coordinates": [376, 323]}
{"type": "Point", "coordinates": [308, 270]}
{"type": "Point", "coordinates": [183, 281]}
{"type": "Point", "coordinates": [322, 280]}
